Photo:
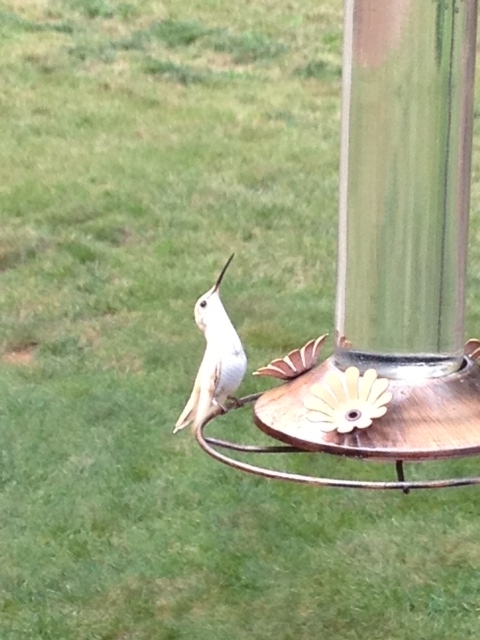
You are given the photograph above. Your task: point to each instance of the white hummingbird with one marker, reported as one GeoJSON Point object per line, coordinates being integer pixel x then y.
{"type": "Point", "coordinates": [224, 361]}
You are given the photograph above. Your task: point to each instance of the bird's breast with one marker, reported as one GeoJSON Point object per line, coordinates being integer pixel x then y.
{"type": "Point", "coordinates": [232, 370]}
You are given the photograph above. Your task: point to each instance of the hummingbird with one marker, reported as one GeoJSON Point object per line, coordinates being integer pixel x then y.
{"type": "Point", "coordinates": [224, 361]}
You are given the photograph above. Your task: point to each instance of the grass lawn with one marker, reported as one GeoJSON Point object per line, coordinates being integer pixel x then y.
{"type": "Point", "coordinates": [142, 143]}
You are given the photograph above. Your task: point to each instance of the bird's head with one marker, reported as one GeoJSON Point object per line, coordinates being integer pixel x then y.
{"type": "Point", "coordinates": [209, 308]}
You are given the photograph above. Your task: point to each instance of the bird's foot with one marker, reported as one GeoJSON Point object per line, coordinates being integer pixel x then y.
{"type": "Point", "coordinates": [235, 403]}
{"type": "Point", "coordinates": [221, 408]}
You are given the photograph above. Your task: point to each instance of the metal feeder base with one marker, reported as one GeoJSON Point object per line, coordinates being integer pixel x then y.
{"type": "Point", "coordinates": [435, 419]}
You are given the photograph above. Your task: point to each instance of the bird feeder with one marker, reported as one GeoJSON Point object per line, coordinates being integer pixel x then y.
{"type": "Point", "coordinates": [401, 385]}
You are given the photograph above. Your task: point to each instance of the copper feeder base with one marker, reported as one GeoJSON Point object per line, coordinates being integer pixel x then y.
{"type": "Point", "coordinates": [435, 419]}
{"type": "Point", "coordinates": [427, 420]}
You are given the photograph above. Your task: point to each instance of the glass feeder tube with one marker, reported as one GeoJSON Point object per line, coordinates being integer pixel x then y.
{"type": "Point", "coordinates": [408, 77]}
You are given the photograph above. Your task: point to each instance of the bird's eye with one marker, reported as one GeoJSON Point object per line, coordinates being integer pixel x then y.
{"type": "Point", "coordinates": [203, 303]}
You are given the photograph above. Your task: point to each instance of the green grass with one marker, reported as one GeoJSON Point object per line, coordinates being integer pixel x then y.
{"type": "Point", "coordinates": [142, 143]}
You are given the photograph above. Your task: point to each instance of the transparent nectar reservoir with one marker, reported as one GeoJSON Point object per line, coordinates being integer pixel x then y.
{"type": "Point", "coordinates": [405, 185]}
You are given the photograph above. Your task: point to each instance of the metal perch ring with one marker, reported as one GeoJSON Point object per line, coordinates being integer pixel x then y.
{"type": "Point", "coordinates": [210, 446]}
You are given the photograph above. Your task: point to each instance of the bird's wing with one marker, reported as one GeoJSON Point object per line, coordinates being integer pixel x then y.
{"type": "Point", "coordinates": [200, 401]}
{"type": "Point", "coordinates": [190, 409]}
{"type": "Point", "coordinates": [207, 394]}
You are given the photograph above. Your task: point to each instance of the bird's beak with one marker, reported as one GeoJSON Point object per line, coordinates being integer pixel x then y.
{"type": "Point", "coordinates": [222, 273]}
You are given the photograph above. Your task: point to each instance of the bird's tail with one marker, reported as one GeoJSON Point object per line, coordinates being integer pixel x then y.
{"type": "Point", "coordinates": [181, 425]}
{"type": "Point", "coordinates": [187, 415]}
{"type": "Point", "coordinates": [198, 406]}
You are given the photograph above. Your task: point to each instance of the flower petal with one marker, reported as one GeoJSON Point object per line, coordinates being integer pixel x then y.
{"type": "Point", "coordinates": [384, 399]}
{"type": "Point", "coordinates": [309, 352]}
{"type": "Point", "coordinates": [377, 412]}
{"type": "Point", "coordinates": [314, 403]}
{"type": "Point", "coordinates": [472, 348]}
{"type": "Point", "coordinates": [327, 427]}
{"type": "Point", "coordinates": [347, 401]}
{"type": "Point", "coordinates": [334, 382]}
{"type": "Point", "coordinates": [282, 373]}
{"type": "Point", "coordinates": [378, 387]}
{"type": "Point", "coordinates": [352, 375]}
{"type": "Point", "coordinates": [363, 423]}
{"type": "Point", "coordinates": [324, 394]}
{"type": "Point", "coordinates": [345, 427]}
{"type": "Point", "coordinates": [316, 416]}
{"type": "Point", "coordinates": [366, 383]}
{"type": "Point", "coordinates": [321, 422]}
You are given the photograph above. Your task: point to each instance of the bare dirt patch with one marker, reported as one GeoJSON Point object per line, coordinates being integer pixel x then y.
{"type": "Point", "coordinates": [20, 354]}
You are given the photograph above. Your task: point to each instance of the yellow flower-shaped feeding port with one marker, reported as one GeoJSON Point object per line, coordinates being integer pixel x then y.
{"type": "Point", "coordinates": [346, 401]}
